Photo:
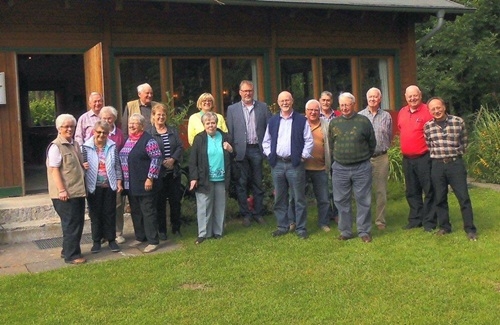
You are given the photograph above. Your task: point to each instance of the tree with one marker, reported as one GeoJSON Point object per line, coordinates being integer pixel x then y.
{"type": "Point", "coordinates": [461, 63]}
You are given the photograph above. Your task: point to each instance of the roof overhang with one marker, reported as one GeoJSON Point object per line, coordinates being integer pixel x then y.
{"type": "Point", "coordinates": [418, 6]}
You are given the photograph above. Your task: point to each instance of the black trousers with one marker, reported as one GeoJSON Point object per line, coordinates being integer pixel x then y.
{"type": "Point", "coordinates": [171, 191]}
{"type": "Point", "coordinates": [144, 219]}
{"type": "Point", "coordinates": [72, 214]}
{"type": "Point", "coordinates": [454, 174]}
{"type": "Point", "coordinates": [102, 213]}
{"type": "Point", "coordinates": [417, 173]}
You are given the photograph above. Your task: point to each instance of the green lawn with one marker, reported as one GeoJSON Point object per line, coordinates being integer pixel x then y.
{"type": "Point", "coordinates": [248, 277]}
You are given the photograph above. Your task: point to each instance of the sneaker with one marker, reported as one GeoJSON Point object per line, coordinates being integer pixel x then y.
{"type": "Point", "coordinates": [120, 239]}
{"type": "Point", "coordinates": [162, 235]}
{"type": "Point", "coordinates": [79, 260]}
{"type": "Point", "coordinates": [326, 228]}
{"type": "Point", "coordinates": [278, 233]}
{"type": "Point", "coordinates": [135, 243]}
{"type": "Point", "coordinates": [96, 248]}
{"type": "Point", "coordinates": [114, 246]}
{"type": "Point", "coordinates": [472, 236]}
{"type": "Point", "coordinates": [150, 248]}
{"type": "Point", "coordinates": [292, 227]}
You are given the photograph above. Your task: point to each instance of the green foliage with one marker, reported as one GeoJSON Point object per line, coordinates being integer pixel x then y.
{"type": "Point", "coordinates": [484, 145]}
{"type": "Point", "coordinates": [176, 115]}
{"type": "Point", "coordinates": [396, 162]}
{"type": "Point", "coordinates": [461, 63]}
{"type": "Point", "coordinates": [42, 111]}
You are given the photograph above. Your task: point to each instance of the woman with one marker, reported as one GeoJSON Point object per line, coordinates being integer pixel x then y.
{"type": "Point", "coordinates": [170, 172]}
{"type": "Point", "coordinates": [65, 176]}
{"type": "Point", "coordinates": [103, 180]}
{"type": "Point", "coordinates": [109, 114]}
{"type": "Point", "coordinates": [205, 104]}
{"type": "Point", "coordinates": [209, 168]}
{"type": "Point", "coordinates": [140, 158]}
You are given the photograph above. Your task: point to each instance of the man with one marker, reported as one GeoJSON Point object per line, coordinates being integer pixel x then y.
{"type": "Point", "coordinates": [246, 123]}
{"type": "Point", "coordinates": [326, 100]}
{"type": "Point", "coordinates": [352, 144]}
{"type": "Point", "coordinates": [87, 121]}
{"type": "Point", "coordinates": [142, 106]}
{"type": "Point", "coordinates": [287, 143]}
{"type": "Point", "coordinates": [318, 165]}
{"type": "Point", "coordinates": [416, 160]}
{"type": "Point", "coordinates": [446, 138]}
{"type": "Point", "coordinates": [382, 125]}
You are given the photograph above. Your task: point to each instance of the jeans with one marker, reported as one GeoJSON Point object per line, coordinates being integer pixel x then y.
{"type": "Point", "coordinates": [319, 181]}
{"type": "Point", "coordinates": [454, 174]}
{"type": "Point", "coordinates": [286, 177]}
{"type": "Point", "coordinates": [102, 213]}
{"type": "Point", "coordinates": [417, 173]}
{"type": "Point", "coordinates": [211, 209]}
{"type": "Point", "coordinates": [72, 214]}
{"type": "Point", "coordinates": [380, 176]}
{"type": "Point", "coordinates": [250, 169]}
{"type": "Point", "coordinates": [353, 179]}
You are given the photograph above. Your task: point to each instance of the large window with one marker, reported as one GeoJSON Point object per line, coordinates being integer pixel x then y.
{"type": "Point", "coordinates": [337, 77]}
{"type": "Point", "coordinates": [375, 73]}
{"type": "Point", "coordinates": [191, 78]}
{"type": "Point", "coordinates": [233, 72]}
{"type": "Point", "coordinates": [297, 78]}
{"type": "Point", "coordinates": [136, 71]}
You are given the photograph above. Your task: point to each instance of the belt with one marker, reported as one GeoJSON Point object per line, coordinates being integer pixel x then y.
{"type": "Point", "coordinates": [284, 159]}
{"type": "Point", "coordinates": [448, 160]}
{"type": "Point", "coordinates": [256, 145]}
{"type": "Point", "coordinates": [415, 156]}
{"type": "Point", "coordinates": [379, 154]}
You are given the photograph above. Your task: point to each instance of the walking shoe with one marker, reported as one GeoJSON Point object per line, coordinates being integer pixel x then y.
{"type": "Point", "coordinates": [342, 237]}
{"type": "Point", "coordinates": [278, 233]}
{"type": "Point", "coordinates": [442, 232]}
{"type": "Point", "coordinates": [135, 243]}
{"type": "Point", "coordinates": [326, 228]}
{"type": "Point", "coordinates": [292, 227]}
{"type": "Point", "coordinates": [259, 220]}
{"type": "Point", "coordinates": [411, 226]}
{"type": "Point", "coordinates": [114, 246]}
{"type": "Point", "coordinates": [120, 239]}
{"type": "Point", "coordinates": [79, 260]}
{"type": "Point", "coordinates": [150, 248]}
{"type": "Point", "coordinates": [303, 235]}
{"type": "Point", "coordinates": [366, 238]}
{"type": "Point", "coordinates": [246, 222]}
{"type": "Point", "coordinates": [162, 235]}
{"type": "Point", "coordinates": [199, 240]}
{"type": "Point", "coordinates": [472, 236]}
{"type": "Point", "coordinates": [96, 248]}
{"type": "Point", "coordinates": [381, 227]}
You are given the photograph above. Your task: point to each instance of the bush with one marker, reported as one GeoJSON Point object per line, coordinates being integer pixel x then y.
{"type": "Point", "coordinates": [396, 162]}
{"type": "Point", "coordinates": [42, 111]}
{"type": "Point", "coordinates": [484, 145]}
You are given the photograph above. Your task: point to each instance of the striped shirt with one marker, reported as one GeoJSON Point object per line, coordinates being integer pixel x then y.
{"type": "Point", "coordinates": [447, 139]}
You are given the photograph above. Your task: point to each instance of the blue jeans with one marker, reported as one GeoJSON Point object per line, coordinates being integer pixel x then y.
{"type": "Point", "coordinates": [285, 178]}
{"type": "Point", "coordinates": [250, 169]}
{"type": "Point", "coordinates": [319, 181]}
{"type": "Point", "coordinates": [353, 179]}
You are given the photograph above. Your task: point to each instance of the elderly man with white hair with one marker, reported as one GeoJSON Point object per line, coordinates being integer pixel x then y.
{"type": "Point", "coordinates": [143, 106]}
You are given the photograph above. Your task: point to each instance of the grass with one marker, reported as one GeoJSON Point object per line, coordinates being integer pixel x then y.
{"type": "Point", "coordinates": [248, 277]}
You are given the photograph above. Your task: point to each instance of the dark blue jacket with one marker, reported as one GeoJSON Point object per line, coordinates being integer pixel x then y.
{"type": "Point", "coordinates": [298, 124]}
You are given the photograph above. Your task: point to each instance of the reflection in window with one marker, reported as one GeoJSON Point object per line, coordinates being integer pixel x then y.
{"type": "Point", "coordinates": [336, 77]}
{"type": "Point", "coordinates": [191, 78]}
{"type": "Point", "coordinates": [296, 77]}
{"type": "Point", "coordinates": [233, 72]}
{"type": "Point", "coordinates": [375, 73]}
{"type": "Point", "coordinates": [42, 107]}
{"type": "Point", "coordinates": [134, 72]}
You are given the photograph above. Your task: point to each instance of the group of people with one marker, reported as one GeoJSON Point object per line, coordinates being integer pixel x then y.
{"type": "Point", "coordinates": [94, 159]}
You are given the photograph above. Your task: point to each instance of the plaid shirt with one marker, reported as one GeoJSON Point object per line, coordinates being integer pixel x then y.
{"type": "Point", "coordinates": [448, 141]}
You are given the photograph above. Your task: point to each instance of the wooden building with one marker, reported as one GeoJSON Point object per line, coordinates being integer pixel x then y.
{"type": "Point", "coordinates": [65, 49]}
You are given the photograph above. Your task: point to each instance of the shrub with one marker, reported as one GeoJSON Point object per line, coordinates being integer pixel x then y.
{"type": "Point", "coordinates": [42, 111]}
{"type": "Point", "coordinates": [396, 162]}
{"type": "Point", "coordinates": [484, 145]}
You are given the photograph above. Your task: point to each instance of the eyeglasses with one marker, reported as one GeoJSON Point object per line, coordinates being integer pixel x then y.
{"type": "Point", "coordinates": [247, 91]}
{"type": "Point", "coordinates": [102, 132]}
